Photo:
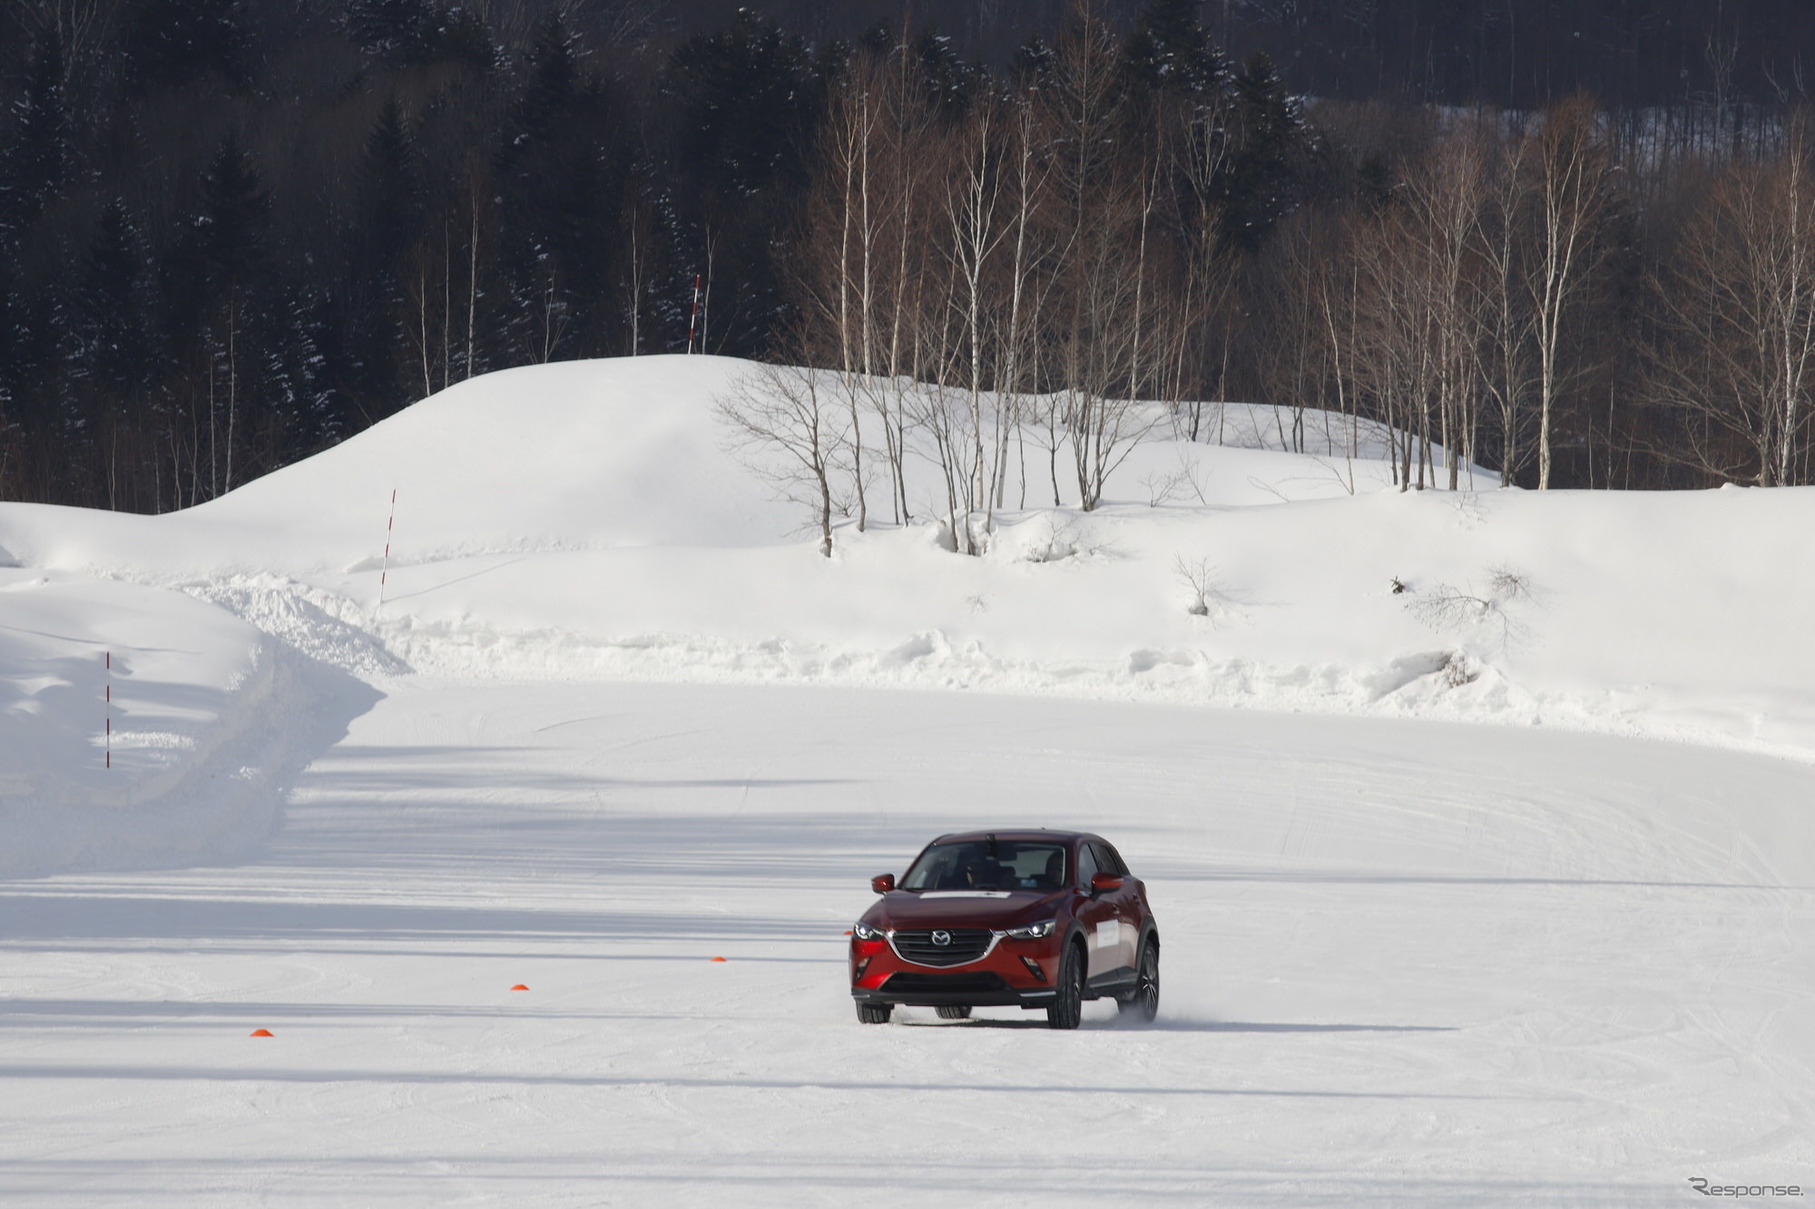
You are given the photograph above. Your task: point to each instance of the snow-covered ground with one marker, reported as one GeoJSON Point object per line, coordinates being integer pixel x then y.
{"type": "Point", "coordinates": [1406, 964]}
{"type": "Point", "coordinates": [614, 716]}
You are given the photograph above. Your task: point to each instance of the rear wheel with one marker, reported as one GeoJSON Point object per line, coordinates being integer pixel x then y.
{"type": "Point", "coordinates": [1067, 1008]}
{"type": "Point", "coordinates": [954, 1013]}
{"type": "Point", "coordinates": [874, 1013]}
{"type": "Point", "coordinates": [1143, 1003]}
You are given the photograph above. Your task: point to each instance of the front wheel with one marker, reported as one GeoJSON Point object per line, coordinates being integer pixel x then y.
{"type": "Point", "coordinates": [1067, 1009]}
{"type": "Point", "coordinates": [874, 1013]}
{"type": "Point", "coordinates": [955, 1012]}
{"type": "Point", "coordinates": [1143, 1003]}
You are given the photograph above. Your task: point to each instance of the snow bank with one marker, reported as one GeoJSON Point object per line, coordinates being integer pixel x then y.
{"type": "Point", "coordinates": [116, 702]}
{"type": "Point", "coordinates": [142, 727]}
{"type": "Point", "coordinates": [1672, 616]}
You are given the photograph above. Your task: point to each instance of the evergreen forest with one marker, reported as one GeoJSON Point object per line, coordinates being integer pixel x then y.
{"type": "Point", "coordinates": [1572, 241]}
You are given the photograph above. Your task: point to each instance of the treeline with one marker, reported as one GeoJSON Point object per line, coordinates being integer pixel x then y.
{"type": "Point", "coordinates": [232, 233]}
{"type": "Point", "coordinates": [1568, 296]}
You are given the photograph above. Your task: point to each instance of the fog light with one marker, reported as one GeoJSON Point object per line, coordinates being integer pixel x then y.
{"type": "Point", "coordinates": [861, 967]}
{"type": "Point", "coordinates": [1033, 967]}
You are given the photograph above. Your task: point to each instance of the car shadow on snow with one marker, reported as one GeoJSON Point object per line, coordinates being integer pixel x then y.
{"type": "Point", "coordinates": [1163, 1025]}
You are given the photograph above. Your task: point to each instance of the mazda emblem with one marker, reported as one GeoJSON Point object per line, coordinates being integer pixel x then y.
{"type": "Point", "coordinates": [942, 938]}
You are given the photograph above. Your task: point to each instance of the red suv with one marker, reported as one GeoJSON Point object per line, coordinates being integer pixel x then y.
{"type": "Point", "coordinates": [1031, 919]}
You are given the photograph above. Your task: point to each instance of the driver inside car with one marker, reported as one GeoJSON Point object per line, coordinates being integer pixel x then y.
{"type": "Point", "coordinates": [984, 875]}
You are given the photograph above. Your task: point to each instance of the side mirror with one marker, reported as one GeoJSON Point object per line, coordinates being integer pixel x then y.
{"type": "Point", "coordinates": [1103, 883]}
{"type": "Point", "coordinates": [882, 883]}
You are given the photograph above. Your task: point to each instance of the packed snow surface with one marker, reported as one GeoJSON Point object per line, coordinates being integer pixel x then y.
{"type": "Point", "coordinates": [600, 712]}
{"type": "Point", "coordinates": [1404, 964]}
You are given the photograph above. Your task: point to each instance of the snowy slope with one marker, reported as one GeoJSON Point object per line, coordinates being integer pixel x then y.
{"type": "Point", "coordinates": [584, 521]}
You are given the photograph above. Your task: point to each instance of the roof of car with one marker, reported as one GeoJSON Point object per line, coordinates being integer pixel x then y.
{"type": "Point", "coordinates": [1018, 835]}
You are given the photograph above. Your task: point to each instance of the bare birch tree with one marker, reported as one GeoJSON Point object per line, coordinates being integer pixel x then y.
{"type": "Point", "coordinates": [1453, 196]}
{"type": "Point", "coordinates": [1105, 200]}
{"type": "Point", "coordinates": [1571, 192]}
{"type": "Point", "coordinates": [1738, 358]}
{"type": "Point", "coordinates": [1507, 333]}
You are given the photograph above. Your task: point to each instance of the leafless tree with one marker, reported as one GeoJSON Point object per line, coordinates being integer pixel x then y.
{"type": "Point", "coordinates": [80, 26]}
{"type": "Point", "coordinates": [1507, 339]}
{"type": "Point", "coordinates": [1447, 198]}
{"type": "Point", "coordinates": [641, 241]}
{"type": "Point", "coordinates": [788, 425]}
{"type": "Point", "coordinates": [1106, 196]}
{"type": "Point", "coordinates": [1572, 189]}
{"type": "Point", "coordinates": [1200, 148]}
{"type": "Point", "coordinates": [1739, 305]}
{"type": "Point", "coordinates": [972, 204]}
{"type": "Point", "coordinates": [837, 268]}
{"type": "Point", "coordinates": [1027, 172]}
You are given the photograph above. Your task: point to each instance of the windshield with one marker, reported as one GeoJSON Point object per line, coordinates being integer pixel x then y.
{"type": "Point", "coordinates": [988, 865]}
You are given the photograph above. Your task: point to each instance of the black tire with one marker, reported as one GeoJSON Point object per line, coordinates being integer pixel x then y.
{"type": "Point", "coordinates": [1067, 1010]}
{"type": "Point", "coordinates": [1143, 1003]}
{"type": "Point", "coordinates": [874, 1013]}
{"type": "Point", "coordinates": [954, 1013]}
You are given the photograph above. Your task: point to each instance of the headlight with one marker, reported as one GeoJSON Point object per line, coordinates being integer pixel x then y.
{"type": "Point", "coordinates": [1037, 931]}
{"type": "Point", "coordinates": [863, 931]}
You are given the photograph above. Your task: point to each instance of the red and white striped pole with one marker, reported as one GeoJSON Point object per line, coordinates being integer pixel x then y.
{"type": "Point", "coordinates": [385, 569]}
{"type": "Point", "coordinates": [693, 319]}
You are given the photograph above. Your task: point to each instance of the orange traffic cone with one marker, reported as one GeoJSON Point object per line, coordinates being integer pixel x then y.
{"type": "Point", "coordinates": [718, 959]}
{"type": "Point", "coordinates": [261, 1032]}
{"type": "Point", "coordinates": [519, 987]}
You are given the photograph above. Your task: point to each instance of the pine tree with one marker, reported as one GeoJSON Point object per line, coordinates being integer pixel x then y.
{"type": "Point", "coordinates": [116, 348]}
{"type": "Point", "coordinates": [390, 188]}
{"type": "Point", "coordinates": [35, 164]}
{"type": "Point", "coordinates": [549, 179]}
{"type": "Point", "coordinates": [412, 33]}
{"type": "Point", "coordinates": [745, 96]}
{"type": "Point", "coordinates": [1261, 182]}
{"type": "Point", "coordinates": [401, 32]}
{"type": "Point", "coordinates": [234, 215]}
{"type": "Point", "coordinates": [742, 102]}
{"type": "Point", "coordinates": [951, 81]}
{"type": "Point", "coordinates": [170, 43]}
{"type": "Point", "coordinates": [1171, 51]}
{"type": "Point", "coordinates": [389, 210]}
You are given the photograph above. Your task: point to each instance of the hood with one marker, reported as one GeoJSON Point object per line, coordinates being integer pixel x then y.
{"type": "Point", "coordinates": [962, 908]}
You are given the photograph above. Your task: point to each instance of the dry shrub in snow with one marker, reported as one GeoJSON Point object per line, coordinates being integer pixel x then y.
{"type": "Point", "coordinates": [1199, 577]}
{"type": "Point", "coordinates": [1450, 609]}
{"type": "Point", "coordinates": [1181, 481]}
{"type": "Point", "coordinates": [1067, 536]}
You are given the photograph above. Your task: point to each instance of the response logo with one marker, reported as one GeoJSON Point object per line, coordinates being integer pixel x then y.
{"type": "Point", "coordinates": [1707, 1189]}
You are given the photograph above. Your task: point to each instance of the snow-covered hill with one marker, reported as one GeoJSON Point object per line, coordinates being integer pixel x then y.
{"type": "Point", "coordinates": [584, 521]}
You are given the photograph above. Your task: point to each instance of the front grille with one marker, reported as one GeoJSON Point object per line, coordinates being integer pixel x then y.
{"type": "Point", "coordinates": [967, 945]}
{"type": "Point", "coordinates": [951, 984]}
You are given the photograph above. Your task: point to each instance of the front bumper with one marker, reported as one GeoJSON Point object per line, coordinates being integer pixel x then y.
{"type": "Point", "coordinates": [1017, 973]}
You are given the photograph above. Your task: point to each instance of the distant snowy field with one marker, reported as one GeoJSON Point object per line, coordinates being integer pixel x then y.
{"type": "Point", "coordinates": [615, 715]}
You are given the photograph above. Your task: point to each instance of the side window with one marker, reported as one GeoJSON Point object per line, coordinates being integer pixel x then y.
{"type": "Point", "coordinates": [1087, 864]}
{"type": "Point", "coordinates": [1110, 860]}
